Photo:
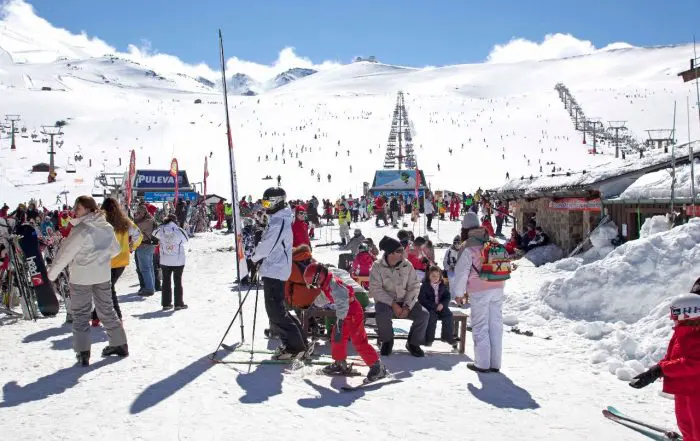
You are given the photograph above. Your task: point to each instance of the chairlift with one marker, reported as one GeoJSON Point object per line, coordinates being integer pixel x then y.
{"type": "Point", "coordinates": [23, 130]}
{"type": "Point", "coordinates": [70, 167]}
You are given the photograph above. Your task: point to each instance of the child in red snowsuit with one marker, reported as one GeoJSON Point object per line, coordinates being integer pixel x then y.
{"type": "Point", "coordinates": [488, 226]}
{"type": "Point", "coordinates": [300, 229]}
{"type": "Point", "coordinates": [349, 326]}
{"type": "Point", "coordinates": [680, 368]}
{"type": "Point", "coordinates": [362, 264]}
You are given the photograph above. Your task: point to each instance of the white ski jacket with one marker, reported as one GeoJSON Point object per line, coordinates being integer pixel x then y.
{"type": "Point", "coordinates": [87, 251]}
{"type": "Point", "coordinates": [172, 241]}
{"type": "Point", "coordinates": [275, 247]}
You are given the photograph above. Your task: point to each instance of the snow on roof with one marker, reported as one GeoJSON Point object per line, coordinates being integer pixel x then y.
{"type": "Point", "coordinates": [657, 185]}
{"type": "Point", "coordinates": [587, 178]}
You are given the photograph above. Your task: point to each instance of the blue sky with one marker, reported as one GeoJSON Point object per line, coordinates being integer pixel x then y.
{"type": "Point", "coordinates": [404, 32]}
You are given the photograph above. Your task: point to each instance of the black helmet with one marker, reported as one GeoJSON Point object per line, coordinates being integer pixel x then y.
{"type": "Point", "coordinates": [274, 199]}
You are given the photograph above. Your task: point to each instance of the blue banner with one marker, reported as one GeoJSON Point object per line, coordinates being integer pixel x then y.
{"type": "Point", "coordinates": [159, 180]}
{"type": "Point", "coordinates": [396, 179]}
{"type": "Point", "coordinates": [161, 196]}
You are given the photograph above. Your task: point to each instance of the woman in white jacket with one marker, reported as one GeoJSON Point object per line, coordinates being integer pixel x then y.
{"type": "Point", "coordinates": [88, 251]}
{"type": "Point", "coordinates": [486, 297]}
{"type": "Point", "coordinates": [172, 240]}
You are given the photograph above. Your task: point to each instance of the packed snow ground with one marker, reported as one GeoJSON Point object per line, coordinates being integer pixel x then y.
{"type": "Point", "coordinates": [168, 389]}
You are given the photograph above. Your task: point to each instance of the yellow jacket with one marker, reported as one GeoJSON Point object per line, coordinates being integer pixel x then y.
{"type": "Point", "coordinates": [128, 241]}
{"type": "Point", "coordinates": [344, 217]}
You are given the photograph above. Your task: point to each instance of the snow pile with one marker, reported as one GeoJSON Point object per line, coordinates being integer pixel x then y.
{"type": "Point", "coordinates": [601, 236]}
{"type": "Point", "coordinates": [601, 239]}
{"type": "Point", "coordinates": [653, 225]}
{"type": "Point", "coordinates": [545, 254]}
{"type": "Point", "coordinates": [632, 279]}
{"type": "Point", "coordinates": [622, 300]}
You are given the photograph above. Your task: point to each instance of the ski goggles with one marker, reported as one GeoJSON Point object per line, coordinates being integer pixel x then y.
{"type": "Point", "coordinates": [266, 203]}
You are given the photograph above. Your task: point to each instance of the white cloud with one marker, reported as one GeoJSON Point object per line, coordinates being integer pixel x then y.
{"type": "Point", "coordinates": [553, 46]}
{"type": "Point", "coordinates": [19, 20]}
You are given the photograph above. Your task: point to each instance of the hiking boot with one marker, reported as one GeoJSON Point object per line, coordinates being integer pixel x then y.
{"type": "Point", "coordinates": [339, 367]}
{"type": "Point", "coordinates": [121, 351]}
{"type": "Point", "coordinates": [179, 307]}
{"type": "Point", "coordinates": [386, 348]}
{"type": "Point", "coordinates": [146, 293]}
{"type": "Point", "coordinates": [472, 366]}
{"type": "Point", "coordinates": [416, 351]}
{"type": "Point", "coordinates": [167, 307]}
{"type": "Point", "coordinates": [83, 358]}
{"type": "Point", "coordinates": [377, 371]}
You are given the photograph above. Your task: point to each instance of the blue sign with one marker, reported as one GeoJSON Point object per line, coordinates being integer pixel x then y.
{"type": "Point", "coordinates": [159, 180]}
{"type": "Point", "coordinates": [161, 196]}
{"type": "Point", "coordinates": [396, 179]}
{"type": "Point", "coordinates": [407, 195]}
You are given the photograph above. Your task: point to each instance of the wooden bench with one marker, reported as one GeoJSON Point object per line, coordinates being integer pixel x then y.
{"type": "Point", "coordinates": [459, 320]}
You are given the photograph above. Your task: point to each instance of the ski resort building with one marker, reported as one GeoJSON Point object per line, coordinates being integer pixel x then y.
{"type": "Point", "coordinates": [568, 206]}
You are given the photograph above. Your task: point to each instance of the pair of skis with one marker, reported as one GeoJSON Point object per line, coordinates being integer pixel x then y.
{"type": "Point", "coordinates": [649, 430]}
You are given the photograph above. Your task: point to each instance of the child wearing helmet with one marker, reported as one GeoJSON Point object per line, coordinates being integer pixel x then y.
{"type": "Point", "coordinates": [362, 264]}
{"type": "Point", "coordinates": [680, 368]}
{"type": "Point", "coordinates": [349, 326]}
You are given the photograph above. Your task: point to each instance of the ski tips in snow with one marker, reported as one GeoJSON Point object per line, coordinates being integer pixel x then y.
{"type": "Point", "coordinates": [389, 379]}
{"type": "Point", "coordinates": [649, 430]}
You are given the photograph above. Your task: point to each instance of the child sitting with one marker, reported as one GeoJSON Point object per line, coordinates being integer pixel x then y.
{"type": "Point", "coordinates": [435, 297]}
{"type": "Point", "coordinates": [362, 263]}
{"type": "Point", "coordinates": [680, 368]}
{"type": "Point", "coordinates": [349, 326]}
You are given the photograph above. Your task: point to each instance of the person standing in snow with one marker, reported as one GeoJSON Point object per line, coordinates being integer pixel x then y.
{"type": "Point", "coordinates": [172, 240]}
{"type": "Point", "coordinates": [395, 287]}
{"type": "Point", "coordinates": [350, 324]}
{"type": "Point", "coordinates": [300, 229]}
{"type": "Point", "coordinates": [486, 297]}
{"type": "Point", "coordinates": [88, 250]}
{"type": "Point", "coordinates": [680, 368]}
{"type": "Point", "coordinates": [144, 252]}
{"type": "Point", "coordinates": [275, 252]}
{"type": "Point", "coordinates": [449, 262]}
{"type": "Point", "coordinates": [344, 223]}
{"type": "Point", "coordinates": [129, 238]}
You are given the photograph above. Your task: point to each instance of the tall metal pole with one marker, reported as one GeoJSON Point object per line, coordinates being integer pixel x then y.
{"type": "Point", "coordinates": [51, 131]}
{"type": "Point", "coordinates": [673, 159]}
{"type": "Point", "coordinates": [399, 108]}
{"type": "Point", "coordinates": [697, 96]}
{"type": "Point", "coordinates": [690, 155]}
{"type": "Point", "coordinates": [234, 190]}
{"type": "Point", "coordinates": [12, 119]}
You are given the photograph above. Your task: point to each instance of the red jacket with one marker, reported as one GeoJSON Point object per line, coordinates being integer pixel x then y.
{"type": "Point", "coordinates": [681, 365]}
{"type": "Point", "coordinates": [489, 227]}
{"type": "Point", "coordinates": [362, 264]}
{"type": "Point", "coordinates": [415, 256]}
{"type": "Point", "coordinates": [379, 204]}
{"type": "Point", "coordinates": [300, 232]}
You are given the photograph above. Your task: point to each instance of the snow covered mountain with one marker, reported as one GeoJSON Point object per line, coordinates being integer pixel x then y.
{"type": "Point", "coordinates": [290, 75]}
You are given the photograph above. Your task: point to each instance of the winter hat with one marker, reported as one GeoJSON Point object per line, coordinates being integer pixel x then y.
{"type": "Point", "coordinates": [171, 218]}
{"type": "Point", "coordinates": [299, 209]}
{"type": "Point", "coordinates": [389, 244]}
{"type": "Point", "coordinates": [357, 232]}
{"type": "Point", "coordinates": [471, 220]}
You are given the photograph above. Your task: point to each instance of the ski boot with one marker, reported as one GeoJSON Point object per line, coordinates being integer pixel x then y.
{"type": "Point", "coordinates": [377, 372]}
{"type": "Point", "coordinates": [121, 351]}
{"type": "Point", "coordinates": [83, 358]}
{"type": "Point", "coordinates": [386, 347]}
{"type": "Point", "coordinates": [339, 367]}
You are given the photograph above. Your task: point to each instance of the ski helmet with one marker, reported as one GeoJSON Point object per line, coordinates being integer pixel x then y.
{"type": "Point", "coordinates": [315, 275]}
{"type": "Point", "coordinates": [363, 247]}
{"type": "Point", "coordinates": [274, 199]}
{"type": "Point", "coordinates": [685, 307]}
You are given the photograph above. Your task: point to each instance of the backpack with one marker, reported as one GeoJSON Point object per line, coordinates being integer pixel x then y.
{"type": "Point", "coordinates": [296, 293]}
{"type": "Point", "coordinates": [495, 262]}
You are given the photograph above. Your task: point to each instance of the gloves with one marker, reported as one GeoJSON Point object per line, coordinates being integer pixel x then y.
{"type": "Point", "coordinates": [338, 336]}
{"type": "Point", "coordinates": [646, 378]}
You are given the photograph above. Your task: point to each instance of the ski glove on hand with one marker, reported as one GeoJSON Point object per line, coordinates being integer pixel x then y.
{"type": "Point", "coordinates": [646, 378]}
{"type": "Point", "coordinates": [338, 336]}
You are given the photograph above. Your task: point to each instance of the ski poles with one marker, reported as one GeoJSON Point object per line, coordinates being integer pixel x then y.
{"type": "Point", "coordinates": [240, 307]}
{"type": "Point", "coordinates": [255, 317]}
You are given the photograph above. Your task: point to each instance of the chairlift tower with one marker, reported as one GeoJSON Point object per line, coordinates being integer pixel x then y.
{"type": "Point", "coordinates": [617, 126]}
{"type": "Point", "coordinates": [662, 138]}
{"type": "Point", "coordinates": [51, 131]}
{"type": "Point", "coordinates": [12, 119]}
{"type": "Point", "coordinates": [594, 126]}
{"type": "Point", "coordinates": [399, 149]}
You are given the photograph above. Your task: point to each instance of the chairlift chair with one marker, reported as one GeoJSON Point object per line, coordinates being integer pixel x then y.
{"type": "Point", "coordinates": [70, 167]}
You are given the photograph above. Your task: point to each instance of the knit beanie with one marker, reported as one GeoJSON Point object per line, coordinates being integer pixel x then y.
{"type": "Point", "coordinates": [471, 220]}
{"type": "Point", "coordinates": [389, 244]}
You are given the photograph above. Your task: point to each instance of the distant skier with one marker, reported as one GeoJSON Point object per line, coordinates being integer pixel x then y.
{"type": "Point", "coordinates": [279, 180]}
{"type": "Point", "coordinates": [329, 177]}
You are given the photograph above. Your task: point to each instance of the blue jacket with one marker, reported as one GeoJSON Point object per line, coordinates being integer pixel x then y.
{"type": "Point", "coordinates": [426, 296]}
{"type": "Point", "coordinates": [275, 247]}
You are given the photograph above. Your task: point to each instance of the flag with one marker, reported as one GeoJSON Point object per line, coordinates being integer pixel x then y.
{"type": "Point", "coordinates": [242, 267]}
{"type": "Point", "coordinates": [130, 179]}
{"type": "Point", "coordinates": [206, 175]}
{"type": "Point", "coordinates": [418, 182]}
{"type": "Point", "coordinates": [174, 174]}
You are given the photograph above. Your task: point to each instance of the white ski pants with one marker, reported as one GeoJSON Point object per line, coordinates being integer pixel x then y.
{"type": "Point", "coordinates": [487, 327]}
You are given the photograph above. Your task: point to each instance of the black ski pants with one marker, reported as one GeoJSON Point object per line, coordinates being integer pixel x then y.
{"type": "Point", "coordinates": [430, 220]}
{"type": "Point", "coordinates": [281, 320]}
{"type": "Point", "coordinates": [167, 292]}
{"type": "Point", "coordinates": [499, 225]}
{"type": "Point", "coordinates": [116, 274]}
{"type": "Point", "coordinates": [445, 317]}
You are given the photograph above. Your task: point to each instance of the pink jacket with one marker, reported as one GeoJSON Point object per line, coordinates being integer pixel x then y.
{"type": "Point", "coordinates": [469, 263]}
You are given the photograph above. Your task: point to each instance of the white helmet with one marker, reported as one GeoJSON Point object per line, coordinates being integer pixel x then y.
{"type": "Point", "coordinates": [686, 307]}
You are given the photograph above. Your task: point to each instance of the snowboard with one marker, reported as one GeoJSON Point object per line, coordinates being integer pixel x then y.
{"type": "Point", "coordinates": [45, 295]}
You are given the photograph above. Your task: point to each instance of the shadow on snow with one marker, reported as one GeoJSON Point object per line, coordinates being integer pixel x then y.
{"type": "Point", "coordinates": [499, 391]}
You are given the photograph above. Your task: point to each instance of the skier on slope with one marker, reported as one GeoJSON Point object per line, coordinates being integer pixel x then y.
{"type": "Point", "coordinates": [680, 368]}
{"type": "Point", "coordinates": [275, 252]}
{"type": "Point", "coordinates": [349, 325]}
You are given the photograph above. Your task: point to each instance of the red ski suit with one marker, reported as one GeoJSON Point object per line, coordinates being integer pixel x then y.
{"type": "Point", "coordinates": [681, 371]}
{"type": "Point", "coordinates": [353, 322]}
{"type": "Point", "coordinates": [362, 265]}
